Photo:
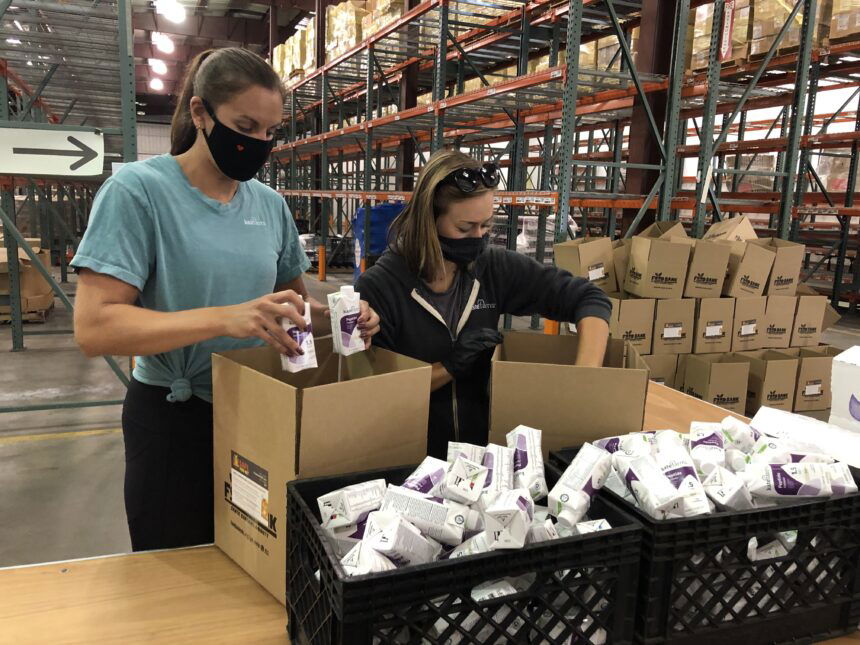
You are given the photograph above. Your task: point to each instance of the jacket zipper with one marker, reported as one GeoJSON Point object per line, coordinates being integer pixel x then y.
{"type": "Point", "coordinates": [464, 318]}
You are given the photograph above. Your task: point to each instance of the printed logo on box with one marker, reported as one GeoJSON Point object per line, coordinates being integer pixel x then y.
{"type": "Point", "coordinates": [692, 392]}
{"type": "Point", "coordinates": [774, 396]}
{"type": "Point", "coordinates": [782, 281]}
{"type": "Point", "coordinates": [751, 284]}
{"type": "Point", "coordinates": [773, 330]}
{"type": "Point", "coordinates": [806, 329]}
{"type": "Point", "coordinates": [722, 399]}
{"type": "Point", "coordinates": [705, 280]}
{"type": "Point", "coordinates": [659, 278]}
{"type": "Point", "coordinates": [634, 274]}
{"type": "Point", "coordinates": [634, 336]}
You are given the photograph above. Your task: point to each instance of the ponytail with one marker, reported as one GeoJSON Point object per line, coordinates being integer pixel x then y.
{"type": "Point", "coordinates": [217, 75]}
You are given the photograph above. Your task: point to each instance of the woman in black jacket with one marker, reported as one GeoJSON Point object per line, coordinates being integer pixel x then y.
{"type": "Point", "coordinates": [439, 291]}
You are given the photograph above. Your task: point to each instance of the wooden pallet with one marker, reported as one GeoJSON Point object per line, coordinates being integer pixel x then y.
{"type": "Point", "coordinates": [29, 316]}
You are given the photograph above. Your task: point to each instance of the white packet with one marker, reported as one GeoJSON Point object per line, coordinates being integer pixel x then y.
{"type": "Point", "coordinates": [305, 340]}
{"type": "Point", "coordinates": [771, 550]}
{"type": "Point", "coordinates": [736, 459]}
{"type": "Point", "coordinates": [468, 450]}
{"type": "Point", "coordinates": [541, 532]}
{"type": "Point", "coordinates": [362, 559]}
{"type": "Point", "coordinates": [397, 539]}
{"type": "Point", "coordinates": [677, 466]}
{"type": "Point", "coordinates": [472, 546]}
{"type": "Point", "coordinates": [499, 461]}
{"type": "Point", "coordinates": [528, 460]}
{"type": "Point", "coordinates": [841, 480]}
{"type": "Point", "coordinates": [464, 481]}
{"type": "Point", "coordinates": [653, 491]}
{"type": "Point", "coordinates": [668, 439]}
{"type": "Point", "coordinates": [541, 513]}
{"type": "Point", "coordinates": [616, 484]}
{"type": "Point", "coordinates": [707, 447]}
{"type": "Point", "coordinates": [727, 490]}
{"type": "Point", "coordinates": [428, 477]}
{"type": "Point", "coordinates": [441, 521]}
{"type": "Point", "coordinates": [482, 593]}
{"type": "Point", "coordinates": [632, 445]}
{"type": "Point", "coordinates": [738, 434]}
{"type": "Point", "coordinates": [570, 498]}
{"type": "Point", "coordinates": [345, 306]}
{"type": "Point", "coordinates": [344, 538]}
{"type": "Point", "coordinates": [788, 480]}
{"type": "Point", "coordinates": [508, 519]}
{"type": "Point", "coordinates": [351, 504]}
{"type": "Point", "coordinates": [770, 451]}
{"type": "Point", "coordinates": [591, 527]}
{"type": "Point", "coordinates": [810, 458]}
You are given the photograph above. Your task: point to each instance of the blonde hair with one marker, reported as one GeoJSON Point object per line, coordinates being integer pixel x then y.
{"type": "Point", "coordinates": [413, 233]}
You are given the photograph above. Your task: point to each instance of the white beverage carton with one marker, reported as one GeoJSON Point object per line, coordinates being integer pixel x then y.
{"type": "Point", "coordinates": [472, 546]}
{"type": "Point", "coordinates": [468, 450]}
{"type": "Point", "coordinates": [499, 461]}
{"type": "Point", "coordinates": [433, 517]}
{"type": "Point", "coordinates": [464, 481]}
{"type": "Point", "coordinates": [428, 477]}
{"type": "Point", "coordinates": [344, 538]}
{"type": "Point", "coordinates": [305, 340]}
{"type": "Point", "coordinates": [362, 559]}
{"type": "Point", "coordinates": [345, 307]}
{"type": "Point", "coordinates": [541, 532]}
{"type": "Point", "coordinates": [678, 468]}
{"type": "Point", "coordinates": [727, 490]}
{"type": "Point", "coordinates": [788, 480]}
{"type": "Point", "coordinates": [508, 520]}
{"type": "Point", "coordinates": [841, 480]}
{"type": "Point", "coordinates": [652, 490]}
{"type": "Point", "coordinates": [351, 504]}
{"type": "Point", "coordinates": [738, 434]}
{"type": "Point", "coordinates": [591, 527]}
{"type": "Point", "coordinates": [707, 447]}
{"type": "Point", "coordinates": [570, 498]}
{"type": "Point", "coordinates": [528, 460]}
{"type": "Point", "coordinates": [397, 539]}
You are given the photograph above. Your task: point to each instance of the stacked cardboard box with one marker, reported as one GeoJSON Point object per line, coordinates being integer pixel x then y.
{"type": "Point", "coordinates": [755, 163]}
{"type": "Point", "coordinates": [834, 170]}
{"type": "Point", "coordinates": [769, 16]}
{"type": "Point", "coordinates": [344, 27]}
{"type": "Point", "coordinates": [380, 13]}
{"type": "Point", "coordinates": [845, 20]}
{"type": "Point", "coordinates": [37, 296]}
{"type": "Point", "coordinates": [296, 56]}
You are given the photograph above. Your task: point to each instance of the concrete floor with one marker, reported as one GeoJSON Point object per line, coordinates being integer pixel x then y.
{"type": "Point", "coordinates": [61, 472]}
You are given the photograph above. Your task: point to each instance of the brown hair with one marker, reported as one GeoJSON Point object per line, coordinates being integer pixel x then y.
{"type": "Point", "coordinates": [413, 233]}
{"type": "Point", "coordinates": [217, 75]}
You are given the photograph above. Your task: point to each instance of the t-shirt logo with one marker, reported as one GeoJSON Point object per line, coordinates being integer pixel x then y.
{"type": "Point", "coordinates": [253, 219]}
{"type": "Point", "coordinates": [483, 304]}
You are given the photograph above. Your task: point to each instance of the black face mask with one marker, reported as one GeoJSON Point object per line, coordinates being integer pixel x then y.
{"type": "Point", "coordinates": [464, 250]}
{"type": "Point", "coordinates": [238, 156]}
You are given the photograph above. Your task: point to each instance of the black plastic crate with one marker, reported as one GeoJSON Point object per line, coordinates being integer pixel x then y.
{"type": "Point", "coordinates": [699, 586]}
{"type": "Point", "coordinates": [581, 584]}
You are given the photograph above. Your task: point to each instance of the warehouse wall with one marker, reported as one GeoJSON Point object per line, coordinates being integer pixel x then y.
{"type": "Point", "coordinates": [153, 139]}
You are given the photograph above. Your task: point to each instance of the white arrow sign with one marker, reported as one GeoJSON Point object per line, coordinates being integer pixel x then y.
{"type": "Point", "coordinates": [51, 152]}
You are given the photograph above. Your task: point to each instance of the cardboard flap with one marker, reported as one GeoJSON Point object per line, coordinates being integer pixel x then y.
{"type": "Point", "coordinates": [831, 317]}
{"type": "Point", "coordinates": [665, 230]}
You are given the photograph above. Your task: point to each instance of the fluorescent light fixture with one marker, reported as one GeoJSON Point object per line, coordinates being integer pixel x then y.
{"type": "Point", "coordinates": [158, 66]}
{"type": "Point", "coordinates": [162, 42]}
{"type": "Point", "coordinates": [18, 25]}
{"type": "Point", "coordinates": [170, 9]}
{"type": "Point", "coordinates": [29, 63]}
{"type": "Point", "coordinates": [156, 84]}
{"type": "Point", "coordinates": [13, 41]}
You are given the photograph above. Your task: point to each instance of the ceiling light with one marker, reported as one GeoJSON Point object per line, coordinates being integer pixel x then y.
{"type": "Point", "coordinates": [170, 9]}
{"type": "Point", "coordinates": [29, 63]}
{"type": "Point", "coordinates": [13, 41]}
{"type": "Point", "coordinates": [162, 42]}
{"type": "Point", "coordinates": [158, 66]}
{"type": "Point", "coordinates": [156, 84]}
{"type": "Point", "coordinates": [18, 25]}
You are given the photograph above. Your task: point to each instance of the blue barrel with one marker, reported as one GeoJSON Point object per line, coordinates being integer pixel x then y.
{"type": "Point", "coordinates": [381, 217]}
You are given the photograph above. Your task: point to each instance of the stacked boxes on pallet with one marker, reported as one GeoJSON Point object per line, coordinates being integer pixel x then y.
{"type": "Point", "coordinates": [37, 297]}
{"type": "Point", "coordinates": [710, 317]}
{"type": "Point", "coordinates": [344, 27]}
{"type": "Point", "coordinates": [296, 57]}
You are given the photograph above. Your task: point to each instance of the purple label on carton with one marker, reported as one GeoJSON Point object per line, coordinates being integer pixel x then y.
{"type": "Point", "coordinates": [359, 530]}
{"type": "Point", "coordinates": [425, 484]}
{"type": "Point", "coordinates": [854, 407]}
{"type": "Point", "coordinates": [299, 336]}
{"type": "Point", "coordinates": [524, 505]}
{"type": "Point", "coordinates": [609, 445]}
{"type": "Point", "coordinates": [629, 478]}
{"type": "Point", "coordinates": [521, 455]}
{"type": "Point", "coordinates": [712, 439]}
{"type": "Point", "coordinates": [488, 462]}
{"type": "Point", "coordinates": [677, 475]}
{"type": "Point", "coordinates": [783, 483]}
{"type": "Point", "coordinates": [347, 326]}
{"type": "Point", "coordinates": [588, 489]}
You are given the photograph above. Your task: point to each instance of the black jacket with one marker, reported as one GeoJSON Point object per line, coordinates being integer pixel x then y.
{"type": "Point", "coordinates": [503, 282]}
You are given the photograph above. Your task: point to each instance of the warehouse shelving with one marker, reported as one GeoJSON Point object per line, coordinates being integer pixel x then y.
{"type": "Point", "coordinates": [63, 66]}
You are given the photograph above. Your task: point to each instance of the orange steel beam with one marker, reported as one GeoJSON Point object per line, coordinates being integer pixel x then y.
{"type": "Point", "coordinates": [7, 71]}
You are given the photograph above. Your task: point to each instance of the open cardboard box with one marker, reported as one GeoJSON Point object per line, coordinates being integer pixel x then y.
{"type": "Point", "coordinates": [749, 270]}
{"type": "Point", "coordinates": [809, 318]}
{"type": "Point", "coordinates": [589, 258]}
{"type": "Point", "coordinates": [36, 292]}
{"type": "Point", "coordinates": [662, 368]}
{"type": "Point", "coordinates": [720, 379]}
{"type": "Point", "coordinates": [785, 273]}
{"type": "Point", "coordinates": [272, 427]}
{"type": "Point", "coordinates": [632, 320]}
{"type": "Point", "coordinates": [772, 380]}
{"type": "Point", "coordinates": [657, 268]}
{"type": "Point", "coordinates": [814, 388]}
{"type": "Point", "coordinates": [714, 325]}
{"type": "Point", "coordinates": [734, 229]}
{"type": "Point", "coordinates": [674, 326]}
{"type": "Point", "coordinates": [779, 321]}
{"type": "Point", "coordinates": [709, 261]}
{"type": "Point", "coordinates": [749, 324]}
{"type": "Point", "coordinates": [536, 383]}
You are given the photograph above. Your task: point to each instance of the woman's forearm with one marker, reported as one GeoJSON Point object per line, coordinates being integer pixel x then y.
{"type": "Point", "coordinates": [593, 335]}
{"type": "Point", "coordinates": [440, 377]}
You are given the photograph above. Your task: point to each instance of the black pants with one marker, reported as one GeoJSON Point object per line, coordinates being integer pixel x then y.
{"type": "Point", "coordinates": [168, 469]}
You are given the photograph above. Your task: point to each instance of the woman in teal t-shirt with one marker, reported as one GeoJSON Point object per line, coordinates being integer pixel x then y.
{"type": "Point", "coordinates": [185, 255]}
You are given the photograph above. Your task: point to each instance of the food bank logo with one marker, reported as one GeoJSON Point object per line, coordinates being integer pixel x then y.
{"type": "Point", "coordinates": [773, 330]}
{"type": "Point", "coordinates": [807, 329]}
{"type": "Point", "coordinates": [659, 278]}
{"type": "Point", "coordinates": [722, 399]}
{"type": "Point", "coordinates": [635, 275]}
{"type": "Point", "coordinates": [705, 280]}
{"type": "Point", "coordinates": [634, 336]}
{"type": "Point", "coordinates": [774, 396]}
{"type": "Point", "coordinates": [782, 281]}
{"type": "Point", "coordinates": [746, 281]}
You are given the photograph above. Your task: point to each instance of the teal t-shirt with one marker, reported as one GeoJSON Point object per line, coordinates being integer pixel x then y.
{"type": "Point", "coordinates": [150, 228]}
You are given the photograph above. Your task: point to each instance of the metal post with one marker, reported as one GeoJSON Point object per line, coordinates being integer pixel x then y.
{"type": "Point", "coordinates": [325, 202]}
{"type": "Point", "coordinates": [126, 78]}
{"type": "Point", "coordinates": [368, 163]}
{"type": "Point", "coordinates": [7, 203]}
{"type": "Point", "coordinates": [440, 77]}
{"type": "Point", "coordinates": [568, 118]}
{"type": "Point", "coordinates": [808, 123]}
{"type": "Point", "coordinates": [845, 231]}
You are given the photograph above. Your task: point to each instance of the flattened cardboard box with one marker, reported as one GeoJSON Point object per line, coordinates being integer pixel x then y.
{"type": "Point", "coordinates": [632, 320]}
{"type": "Point", "coordinates": [662, 368]}
{"type": "Point", "coordinates": [674, 325]}
{"type": "Point", "coordinates": [589, 258]}
{"type": "Point", "coordinates": [720, 379]}
{"type": "Point", "coordinates": [772, 380]}
{"type": "Point", "coordinates": [536, 383]}
{"type": "Point", "coordinates": [715, 319]}
{"type": "Point", "coordinates": [779, 321]}
{"type": "Point", "coordinates": [749, 323]}
{"type": "Point", "coordinates": [709, 263]}
{"type": "Point", "coordinates": [272, 427]}
{"type": "Point", "coordinates": [785, 273]}
{"type": "Point", "coordinates": [657, 268]}
{"type": "Point", "coordinates": [749, 269]}
{"type": "Point", "coordinates": [808, 319]}
{"type": "Point", "coordinates": [735, 229]}
{"type": "Point", "coordinates": [814, 388]}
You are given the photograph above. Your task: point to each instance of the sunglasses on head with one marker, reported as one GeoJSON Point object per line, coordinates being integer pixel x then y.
{"type": "Point", "coordinates": [467, 179]}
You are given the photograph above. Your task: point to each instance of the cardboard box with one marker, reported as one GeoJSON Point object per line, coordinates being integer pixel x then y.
{"type": "Point", "coordinates": [657, 268]}
{"type": "Point", "coordinates": [808, 318]}
{"type": "Point", "coordinates": [772, 380]}
{"type": "Point", "coordinates": [272, 427]}
{"type": "Point", "coordinates": [720, 379]}
{"type": "Point", "coordinates": [779, 321]}
{"type": "Point", "coordinates": [632, 320]}
{"type": "Point", "coordinates": [536, 383]}
{"type": "Point", "coordinates": [749, 269]}
{"type": "Point", "coordinates": [813, 392]}
{"type": "Point", "coordinates": [735, 229]}
{"type": "Point", "coordinates": [674, 326]}
{"type": "Point", "coordinates": [621, 258]}
{"type": "Point", "coordinates": [845, 408]}
{"type": "Point", "coordinates": [681, 372]}
{"type": "Point", "coordinates": [709, 263]}
{"type": "Point", "coordinates": [785, 272]}
{"type": "Point", "coordinates": [665, 231]}
{"type": "Point", "coordinates": [749, 324]}
{"type": "Point", "coordinates": [589, 258]}
{"type": "Point", "coordinates": [662, 368]}
{"type": "Point", "coordinates": [715, 319]}
{"type": "Point", "coordinates": [36, 292]}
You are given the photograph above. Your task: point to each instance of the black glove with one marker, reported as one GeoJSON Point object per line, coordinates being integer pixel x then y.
{"type": "Point", "coordinates": [468, 348]}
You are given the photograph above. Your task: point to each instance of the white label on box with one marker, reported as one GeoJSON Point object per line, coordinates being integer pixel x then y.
{"type": "Point", "coordinates": [673, 330]}
{"type": "Point", "coordinates": [714, 331]}
{"type": "Point", "coordinates": [596, 273]}
{"type": "Point", "coordinates": [249, 496]}
{"type": "Point", "coordinates": [812, 389]}
{"type": "Point", "coordinates": [748, 329]}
